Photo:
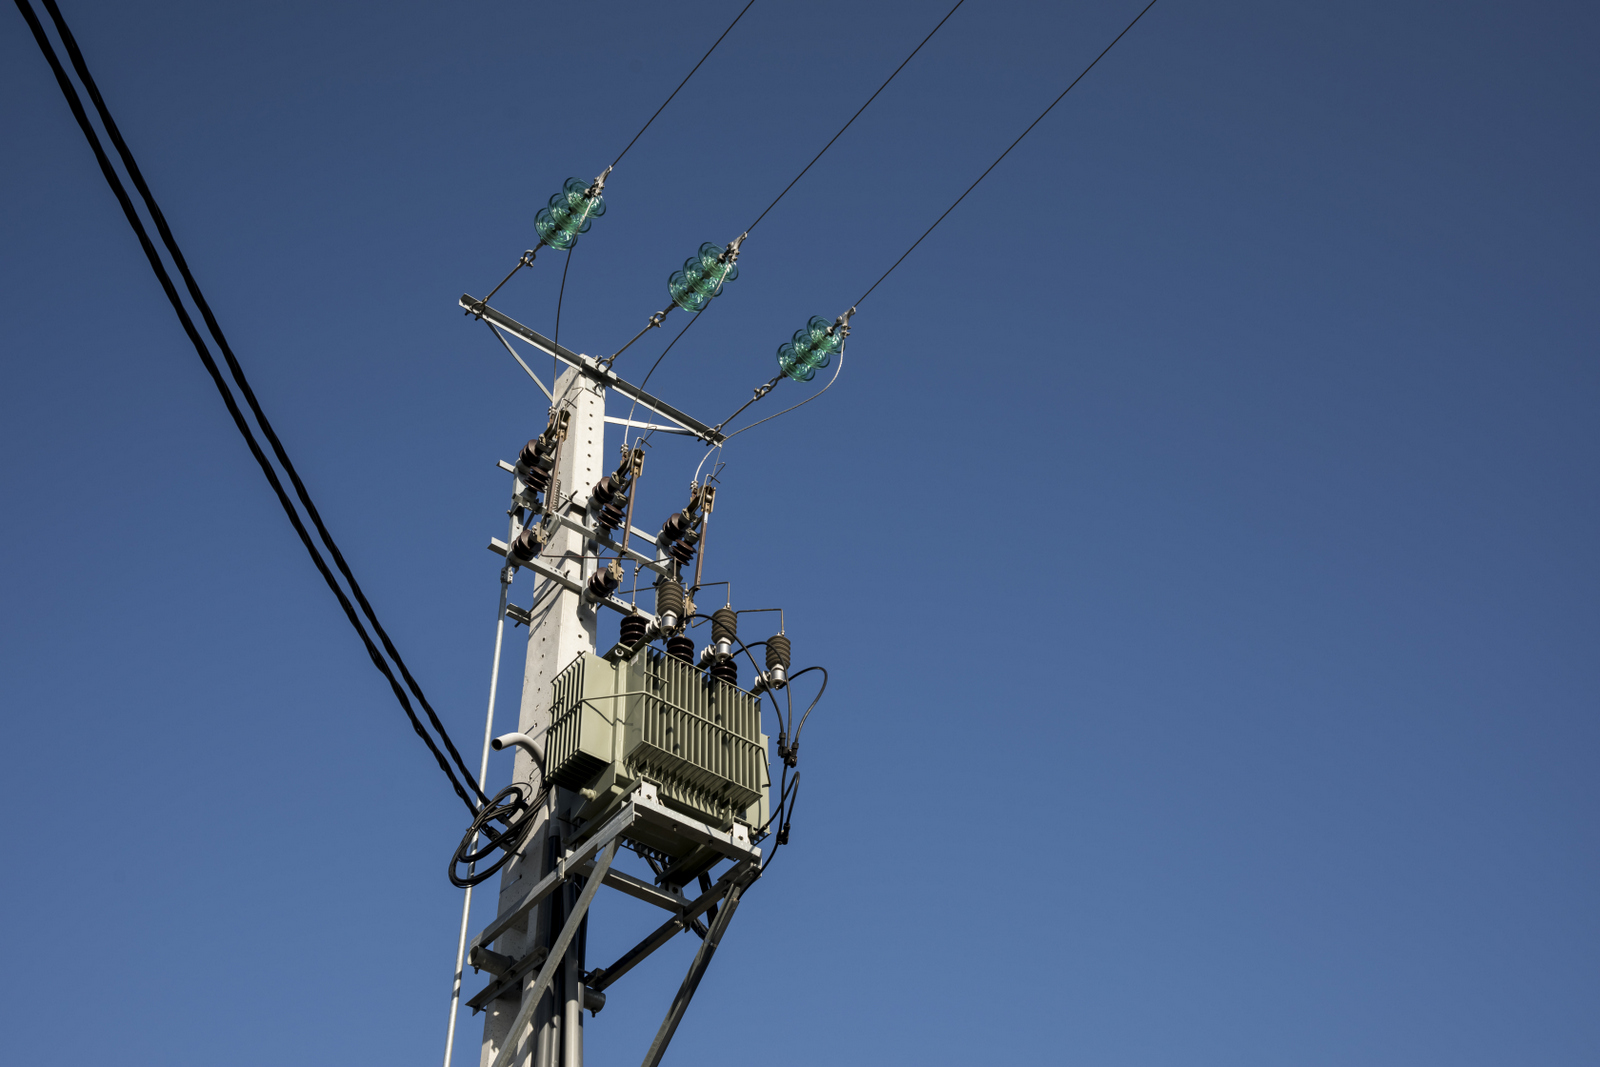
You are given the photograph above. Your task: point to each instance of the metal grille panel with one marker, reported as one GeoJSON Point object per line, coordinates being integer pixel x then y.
{"type": "Point", "coordinates": [574, 753]}
{"type": "Point", "coordinates": [697, 738]}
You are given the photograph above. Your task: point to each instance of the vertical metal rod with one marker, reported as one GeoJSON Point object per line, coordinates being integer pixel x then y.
{"type": "Point", "coordinates": [572, 1010]}
{"type": "Point", "coordinates": [708, 498]}
{"type": "Point", "coordinates": [637, 463]}
{"type": "Point", "coordinates": [691, 981]}
{"type": "Point", "coordinates": [483, 774]}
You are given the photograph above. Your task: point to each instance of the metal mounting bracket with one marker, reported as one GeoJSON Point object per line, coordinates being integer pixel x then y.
{"type": "Point", "coordinates": [591, 368]}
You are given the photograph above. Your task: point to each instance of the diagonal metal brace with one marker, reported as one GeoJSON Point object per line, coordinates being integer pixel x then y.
{"type": "Point", "coordinates": [691, 981]}
{"type": "Point", "coordinates": [558, 953]}
{"type": "Point", "coordinates": [602, 977]}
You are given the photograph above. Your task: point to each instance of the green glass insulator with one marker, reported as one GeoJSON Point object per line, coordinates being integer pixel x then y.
{"type": "Point", "coordinates": [792, 363]}
{"type": "Point", "coordinates": [710, 256]}
{"type": "Point", "coordinates": [569, 214]}
{"type": "Point", "coordinates": [681, 286]}
{"type": "Point", "coordinates": [810, 350]}
{"type": "Point", "coordinates": [702, 278]}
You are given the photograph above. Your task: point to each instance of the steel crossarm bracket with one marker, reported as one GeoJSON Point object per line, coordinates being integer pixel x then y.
{"type": "Point", "coordinates": [547, 885]}
{"type": "Point", "coordinates": [591, 367]}
{"type": "Point", "coordinates": [614, 603]}
{"type": "Point", "coordinates": [616, 421]}
{"type": "Point", "coordinates": [507, 984]}
{"type": "Point", "coordinates": [600, 538]}
{"type": "Point", "coordinates": [599, 979]}
{"type": "Point", "coordinates": [637, 888]}
{"type": "Point", "coordinates": [558, 952]}
{"type": "Point", "coordinates": [691, 981]}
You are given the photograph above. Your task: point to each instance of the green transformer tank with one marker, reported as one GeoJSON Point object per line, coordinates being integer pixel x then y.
{"type": "Point", "coordinates": [698, 739]}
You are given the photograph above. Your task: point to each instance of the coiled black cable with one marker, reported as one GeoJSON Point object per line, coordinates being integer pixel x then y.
{"type": "Point", "coordinates": [511, 809]}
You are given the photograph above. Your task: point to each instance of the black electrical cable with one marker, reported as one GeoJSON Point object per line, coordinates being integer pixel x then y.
{"type": "Point", "coordinates": [555, 361]}
{"type": "Point", "coordinates": [853, 118]}
{"type": "Point", "coordinates": [75, 103]}
{"type": "Point", "coordinates": [511, 809]}
{"type": "Point", "coordinates": [814, 700]}
{"type": "Point", "coordinates": [1007, 152]}
{"type": "Point", "coordinates": [685, 81]}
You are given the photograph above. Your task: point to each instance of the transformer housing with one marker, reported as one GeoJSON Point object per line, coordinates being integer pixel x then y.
{"type": "Point", "coordinates": [653, 717]}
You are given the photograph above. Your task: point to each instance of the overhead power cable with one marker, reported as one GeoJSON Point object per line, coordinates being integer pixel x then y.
{"type": "Point", "coordinates": [857, 115]}
{"type": "Point", "coordinates": [685, 81]}
{"type": "Point", "coordinates": [74, 102]}
{"type": "Point", "coordinates": [842, 323]}
{"type": "Point", "coordinates": [1007, 152]}
{"type": "Point", "coordinates": [656, 320]}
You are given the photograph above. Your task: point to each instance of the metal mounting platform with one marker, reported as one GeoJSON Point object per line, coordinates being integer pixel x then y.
{"type": "Point", "coordinates": [591, 859]}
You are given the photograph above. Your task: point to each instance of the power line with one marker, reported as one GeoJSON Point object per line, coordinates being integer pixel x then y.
{"type": "Point", "coordinates": [857, 115]}
{"type": "Point", "coordinates": [941, 218]}
{"type": "Point", "coordinates": [1007, 152]}
{"type": "Point", "coordinates": [75, 103]}
{"type": "Point", "coordinates": [685, 81]}
{"type": "Point", "coordinates": [797, 177]}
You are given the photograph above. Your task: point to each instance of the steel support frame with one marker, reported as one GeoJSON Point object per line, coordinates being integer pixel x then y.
{"type": "Point", "coordinates": [556, 957]}
{"type": "Point", "coordinates": [697, 971]}
{"type": "Point", "coordinates": [583, 861]}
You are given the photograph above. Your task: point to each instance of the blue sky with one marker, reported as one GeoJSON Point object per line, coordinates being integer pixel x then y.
{"type": "Point", "coordinates": [1201, 536]}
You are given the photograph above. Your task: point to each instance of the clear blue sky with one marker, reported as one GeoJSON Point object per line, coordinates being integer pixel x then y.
{"type": "Point", "coordinates": [1202, 536]}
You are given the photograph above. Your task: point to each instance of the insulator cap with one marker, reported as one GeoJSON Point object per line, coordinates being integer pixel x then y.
{"type": "Point", "coordinates": [612, 515]}
{"type": "Point", "coordinates": [632, 631]}
{"type": "Point", "coordinates": [602, 583]}
{"type": "Point", "coordinates": [669, 598]}
{"type": "Point", "coordinates": [532, 452]}
{"type": "Point", "coordinates": [527, 545]}
{"type": "Point", "coordinates": [727, 671]}
{"type": "Point", "coordinates": [675, 527]}
{"type": "Point", "coordinates": [778, 652]}
{"type": "Point", "coordinates": [681, 647]}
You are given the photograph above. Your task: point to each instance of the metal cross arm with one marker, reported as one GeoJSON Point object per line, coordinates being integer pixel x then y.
{"type": "Point", "coordinates": [500, 548]}
{"type": "Point", "coordinates": [591, 368]}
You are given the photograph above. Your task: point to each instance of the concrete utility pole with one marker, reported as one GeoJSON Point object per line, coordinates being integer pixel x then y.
{"type": "Point", "coordinates": [562, 627]}
{"type": "Point", "coordinates": [663, 757]}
